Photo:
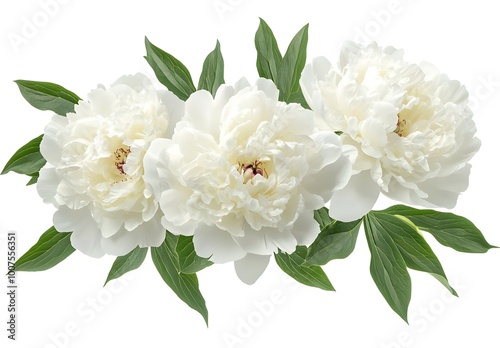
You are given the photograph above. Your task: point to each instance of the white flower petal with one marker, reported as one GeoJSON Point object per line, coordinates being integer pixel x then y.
{"type": "Point", "coordinates": [152, 158]}
{"type": "Point", "coordinates": [444, 191]}
{"type": "Point", "coordinates": [121, 243]}
{"type": "Point", "coordinates": [108, 225]}
{"type": "Point", "coordinates": [268, 87]}
{"type": "Point", "coordinates": [305, 229]}
{"type": "Point", "coordinates": [218, 245]}
{"type": "Point", "coordinates": [88, 242]}
{"type": "Point", "coordinates": [251, 267]}
{"type": "Point", "coordinates": [200, 113]}
{"type": "Point", "coordinates": [356, 199]}
{"type": "Point", "coordinates": [330, 168]}
{"type": "Point", "coordinates": [177, 218]}
{"type": "Point", "coordinates": [47, 183]}
{"type": "Point", "coordinates": [86, 236]}
{"type": "Point", "coordinates": [266, 240]}
{"type": "Point", "coordinates": [320, 66]}
{"type": "Point", "coordinates": [49, 146]}
{"type": "Point", "coordinates": [150, 233]}
{"type": "Point", "coordinates": [175, 108]}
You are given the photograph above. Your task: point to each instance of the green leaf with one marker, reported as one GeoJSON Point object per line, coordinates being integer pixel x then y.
{"type": "Point", "coordinates": [298, 97]}
{"type": "Point", "coordinates": [127, 263]}
{"type": "Point", "coordinates": [169, 71]}
{"type": "Point", "coordinates": [292, 65]}
{"type": "Point", "coordinates": [48, 96]}
{"type": "Point", "coordinates": [417, 254]}
{"type": "Point", "coordinates": [166, 260]}
{"type": "Point", "coordinates": [323, 217]}
{"type": "Point", "coordinates": [268, 53]}
{"type": "Point", "coordinates": [335, 241]}
{"type": "Point", "coordinates": [449, 229]}
{"type": "Point", "coordinates": [33, 180]}
{"type": "Point", "coordinates": [189, 261]}
{"type": "Point", "coordinates": [212, 75]}
{"type": "Point", "coordinates": [294, 265]}
{"type": "Point", "coordinates": [27, 160]}
{"type": "Point", "coordinates": [284, 71]}
{"type": "Point", "coordinates": [388, 267]}
{"type": "Point", "coordinates": [52, 248]}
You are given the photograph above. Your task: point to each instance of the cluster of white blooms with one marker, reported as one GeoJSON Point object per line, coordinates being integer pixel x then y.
{"type": "Point", "coordinates": [410, 124]}
{"type": "Point", "coordinates": [243, 172]}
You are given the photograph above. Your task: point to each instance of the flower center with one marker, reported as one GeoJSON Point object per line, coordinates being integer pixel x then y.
{"type": "Point", "coordinates": [248, 171]}
{"type": "Point", "coordinates": [120, 155]}
{"type": "Point", "coordinates": [400, 126]}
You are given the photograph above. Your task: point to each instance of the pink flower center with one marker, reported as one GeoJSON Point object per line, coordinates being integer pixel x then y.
{"type": "Point", "coordinates": [248, 171]}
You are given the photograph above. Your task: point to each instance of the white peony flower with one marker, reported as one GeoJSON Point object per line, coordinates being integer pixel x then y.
{"type": "Point", "coordinates": [243, 173]}
{"type": "Point", "coordinates": [94, 170]}
{"type": "Point", "coordinates": [410, 124]}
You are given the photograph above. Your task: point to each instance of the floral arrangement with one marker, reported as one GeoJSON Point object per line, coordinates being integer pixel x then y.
{"type": "Point", "coordinates": [288, 166]}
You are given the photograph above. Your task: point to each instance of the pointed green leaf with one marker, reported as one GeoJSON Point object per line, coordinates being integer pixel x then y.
{"type": "Point", "coordinates": [189, 261]}
{"type": "Point", "coordinates": [52, 248]}
{"type": "Point", "coordinates": [48, 96]}
{"type": "Point", "coordinates": [335, 241]}
{"type": "Point", "coordinates": [311, 275]}
{"type": "Point", "coordinates": [27, 160]}
{"type": "Point", "coordinates": [33, 180]}
{"type": "Point", "coordinates": [417, 254]}
{"type": "Point", "coordinates": [268, 53]}
{"type": "Point", "coordinates": [298, 97]}
{"type": "Point", "coordinates": [387, 267]}
{"type": "Point", "coordinates": [166, 261]}
{"type": "Point", "coordinates": [170, 71]}
{"type": "Point", "coordinates": [449, 229]}
{"type": "Point", "coordinates": [292, 65]}
{"type": "Point", "coordinates": [322, 217]}
{"type": "Point", "coordinates": [212, 75]}
{"type": "Point", "coordinates": [127, 263]}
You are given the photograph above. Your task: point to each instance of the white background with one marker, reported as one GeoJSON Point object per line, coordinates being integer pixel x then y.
{"type": "Point", "coordinates": [79, 44]}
